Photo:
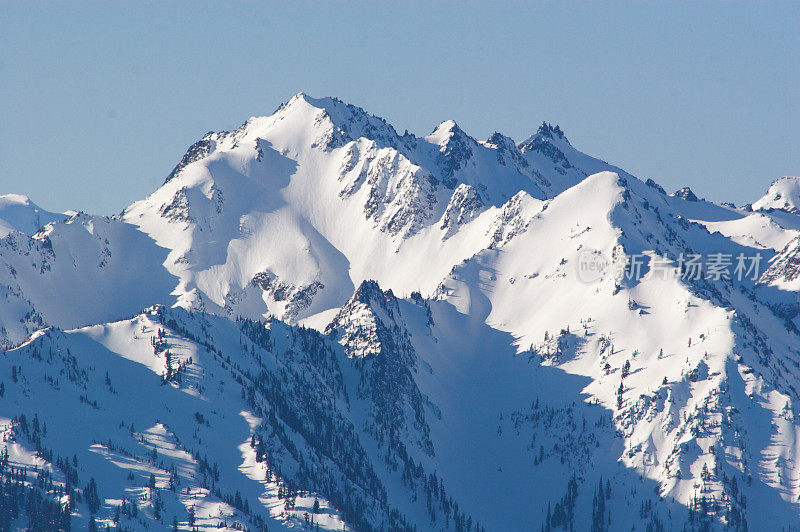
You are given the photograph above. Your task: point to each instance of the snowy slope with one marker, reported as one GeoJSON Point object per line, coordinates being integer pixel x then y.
{"type": "Point", "coordinates": [18, 213]}
{"type": "Point", "coordinates": [274, 413]}
{"type": "Point", "coordinates": [691, 358]}
{"type": "Point", "coordinates": [287, 214]}
{"type": "Point", "coordinates": [402, 329]}
{"type": "Point", "coordinates": [81, 271]}
{"type": "Point", "coordinates": [783, 194]}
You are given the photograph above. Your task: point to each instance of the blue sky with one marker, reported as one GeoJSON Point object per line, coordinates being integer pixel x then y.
{"type": "Point", "coordinates": [98, 101]}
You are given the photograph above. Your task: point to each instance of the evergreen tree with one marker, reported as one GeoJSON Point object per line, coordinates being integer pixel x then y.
{"type": "Point", "coordinates": [92, 497]}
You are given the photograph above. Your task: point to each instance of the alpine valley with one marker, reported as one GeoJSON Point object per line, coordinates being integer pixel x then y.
{"type": "Point", "coordinates": [317, 323]}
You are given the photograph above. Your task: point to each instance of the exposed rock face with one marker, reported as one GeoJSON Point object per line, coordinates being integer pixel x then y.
{"type": "Point", "coordinates": [685, 193]}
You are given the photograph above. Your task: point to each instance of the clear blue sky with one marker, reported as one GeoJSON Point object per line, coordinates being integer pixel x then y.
{"type": "Point", "coordinates": [98, 101]}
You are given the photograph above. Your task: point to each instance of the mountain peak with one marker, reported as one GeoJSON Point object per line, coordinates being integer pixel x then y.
{"type": "Point", "coordinates": [685, 193]}
{"type": "Point", "coordinates": [444, 132]}
{"type": "Point", "coordinates": [447, 126]}
{"type": "Point", "coordinates": [498, 140]}
{"type": "Point", "coordinates": [455, 149]}
{"type": "Point", "coordinates": [350, 121]}
{"type": "Point", "coordinates": [783, 195]}
{"type": "Point", "coordinates": [326, 102]}
{"type": "Point", "coordinates": [369, 292]}
{"type": "Point", "coordinates": [546, 135]}
{"type": "Point", "coordinates": [366, 310]}
{"type": "Point", "coordinates": [14, 199]}
{"type": "Point", "coordinates": [551, 132]}
{"type": "Point", "coordinates": [19, 213]}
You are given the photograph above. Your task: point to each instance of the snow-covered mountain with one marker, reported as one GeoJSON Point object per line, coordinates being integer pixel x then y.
{"type": "Point", "coordinates": [317, 322]}
{"type": "Point", "coordinates": [19, 213]}
{"type": "Point", "coordinates": [783, 194]}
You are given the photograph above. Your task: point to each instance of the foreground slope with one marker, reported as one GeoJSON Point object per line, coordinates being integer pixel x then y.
{"type": "Point", "coordinates": [250, 423]}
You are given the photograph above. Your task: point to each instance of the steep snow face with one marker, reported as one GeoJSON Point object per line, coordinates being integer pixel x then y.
{"type": "Point", "coordinates": [287, 214]}
{"type": "Point", "coordinates": [668, 357]}
{"type": "Point", "coordinates": [18, 213]}
{"type": "Point", "coordinates": [85, 270]}
{"type": "Point", "coordinates": [783, 195]}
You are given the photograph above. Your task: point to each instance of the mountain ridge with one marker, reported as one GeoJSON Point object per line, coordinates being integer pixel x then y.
{"type": "Point", "coordinates": [317, 322]}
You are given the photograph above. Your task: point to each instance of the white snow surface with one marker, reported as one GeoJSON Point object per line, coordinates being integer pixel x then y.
{"type": "Point", "coordinates": [18, 213]}
{"type": "Point", "coordinates": [783, 194]}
